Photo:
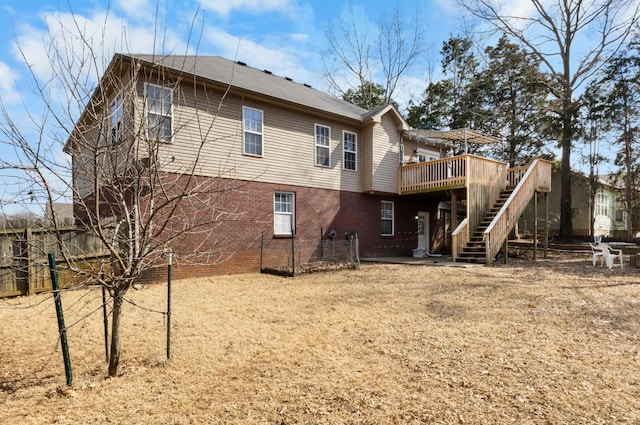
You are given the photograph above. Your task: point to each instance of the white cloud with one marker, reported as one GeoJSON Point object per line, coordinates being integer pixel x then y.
{"type": "Point", "coordinates": [225, 7]}
{"type": "Point", "coordinates": [136, 8]}
{"type": "Point", "coordinates": [282, 60]}
{"type": "Point", "coordinates": [8, 78]}
{"type": "Point", "coordinates": [84, 44]}
{"type": "Point", "coordinates": [449, 7]}
{"type": "Point", "coordinates": [248, 51]}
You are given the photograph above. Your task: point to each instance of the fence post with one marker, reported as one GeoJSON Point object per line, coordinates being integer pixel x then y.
{"type": "Point", "coordinates": [28, 261]}
{"type": "Point", "coordinates": [293, 253]}
{"type": "Point", "coordinates": [61, 328]}
{"type": "Point", "coordinates": [169, 306]}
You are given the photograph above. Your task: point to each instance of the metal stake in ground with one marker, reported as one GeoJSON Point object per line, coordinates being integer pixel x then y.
{"type": "Point", "coordinates": [62, 329]}
{"type": "Point", "coordinates": [169, 307]}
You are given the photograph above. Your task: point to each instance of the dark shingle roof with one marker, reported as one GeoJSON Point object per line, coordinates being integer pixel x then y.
{"type": "Point", "coordinates": [237, 74]}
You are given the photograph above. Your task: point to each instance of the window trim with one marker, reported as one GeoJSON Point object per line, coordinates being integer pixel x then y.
{"type": "Point", "coordinates": [116, 137]}
{"type": "Point", "coordinates": [316, 145]}
{"type": "Point", "coordinates": [168, 114]}
{"type": "Point", "coordinates": [260, 133]}
{"type": "Point", "coordinates": [292, 214]}
{"type": "Point", "coordinates": [354, 151]}
{"type": "Point", "coordinates": [603, 204]}
{"type": "Point", "coordinates": [391, 219]}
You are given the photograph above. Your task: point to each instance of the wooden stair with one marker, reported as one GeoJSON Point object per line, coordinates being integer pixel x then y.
{"type": "Point", "coordinates": [475, 250]}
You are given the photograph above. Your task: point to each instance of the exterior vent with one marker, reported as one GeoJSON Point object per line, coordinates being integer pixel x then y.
{"type": "Point", "coordinates": [307, 85]}
{"type": "Point", "coordinates": [241, 63]}
{"type": "Point", "coordinates": [288, 78]}
{"type": "Point", "coordinates": [266, 71]}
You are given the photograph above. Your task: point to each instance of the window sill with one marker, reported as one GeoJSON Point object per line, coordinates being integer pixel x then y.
{"type": "Point", "coordinates": [283, 236]}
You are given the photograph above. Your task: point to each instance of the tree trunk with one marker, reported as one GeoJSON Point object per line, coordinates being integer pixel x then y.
{"type": "Point", "coordinates": [566, 224]}
{"type": "Point", "coordinates": [114, 357]}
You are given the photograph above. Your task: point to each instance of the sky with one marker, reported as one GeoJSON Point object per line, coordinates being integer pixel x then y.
{"type": "Point", "coordinates": [287, 37]}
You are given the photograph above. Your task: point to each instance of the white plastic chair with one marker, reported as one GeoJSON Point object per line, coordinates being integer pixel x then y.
{"type": "Point", "coordinates": [597, 251]}
{"type": "Point", "coordinates": [609, 255]}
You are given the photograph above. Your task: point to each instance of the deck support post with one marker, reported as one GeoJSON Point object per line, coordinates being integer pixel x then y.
{"type": "Point", "coordinates": [546, 224]}
{"type": "Point", "coordinates": [454, 210]}
{"type": "Point", "coordinates": [505, 250]}
{"type": "Point", "coordinates": [535, 225]}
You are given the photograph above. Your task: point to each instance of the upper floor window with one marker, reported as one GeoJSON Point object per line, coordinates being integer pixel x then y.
{"type": "Point", "coordinates": [386, 216]}
{"type": "Point", "coordinates": [115, 120]}
{"type": "Point", "coordinates": [283, 213]}
{"type": "Point", "coordinates": [349, 150]}
{"type": "Point", "coordinates": [252, 127]}
{"type": "Point", "coordinates": [323, 146]}
{"type": "Point", "coordinates": [159, 110]}
{"type": "Point", "coordinates": [602, 204]}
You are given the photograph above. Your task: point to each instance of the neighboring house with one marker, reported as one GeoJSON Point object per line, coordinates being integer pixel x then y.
{"type": "Point", "coordinates": [310, 162]}
{"type": "Point", "coordinates": [608, 210]}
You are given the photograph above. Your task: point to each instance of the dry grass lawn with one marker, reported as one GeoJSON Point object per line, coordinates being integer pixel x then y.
{"type": "Point", "coordinates": [550, 342]}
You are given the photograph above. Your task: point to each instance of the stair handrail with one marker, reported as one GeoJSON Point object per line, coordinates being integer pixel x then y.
{"type": "Point", "coordinates": [506, 218]}
{"type": "Point", "coordinates": [459, 238]}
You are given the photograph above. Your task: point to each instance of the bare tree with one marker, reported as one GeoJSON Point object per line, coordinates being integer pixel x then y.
{"type": "Point", "coordinates": [134, 199]}
{"type": "Point", "coordinates": [551, 33]}
{"type": "Point", "coordinates": [365, 56]}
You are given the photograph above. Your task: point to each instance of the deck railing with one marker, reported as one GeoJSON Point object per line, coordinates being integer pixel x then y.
{"type": "Point", "coordinates": [515, 174]}
{"type": "Point", "coordinates": [459, 238]}
{"type": "Point", "coordinates": [448, 173]}
{"type": "Point", "coordinates": [536, 178]}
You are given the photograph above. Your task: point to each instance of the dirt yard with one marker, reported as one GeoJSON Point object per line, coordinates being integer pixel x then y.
{"type": "Point", "coordinates": [551, 342]}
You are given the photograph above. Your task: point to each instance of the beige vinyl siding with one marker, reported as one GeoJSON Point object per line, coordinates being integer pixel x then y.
{"type": "Point", "coordinates": [386, 148]}
{"type": "Point", "coordinates": [410, 155]}
{"type": "Point", "coordinates": [94, 156]}
{"type": "Point", "coordinates": [82, 175]}
{"type": "Point", "coordinates": [366, 158]}
{"type": "Point", "coordinates": [288, 142]}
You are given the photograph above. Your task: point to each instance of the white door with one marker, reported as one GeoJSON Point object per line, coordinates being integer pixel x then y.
{"type": "Point", "coordinates": [423, 231]}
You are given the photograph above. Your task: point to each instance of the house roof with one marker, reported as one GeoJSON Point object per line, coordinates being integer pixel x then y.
{"type": "Point", "coordinates": [237, 74]}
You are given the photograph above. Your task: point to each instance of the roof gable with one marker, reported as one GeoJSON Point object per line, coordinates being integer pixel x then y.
{"type": "Point", "coordinates": [377, 114]}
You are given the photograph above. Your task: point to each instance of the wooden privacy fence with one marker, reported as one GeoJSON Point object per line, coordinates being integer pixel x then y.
{"type": "Point", "coordinates": [24, 268]}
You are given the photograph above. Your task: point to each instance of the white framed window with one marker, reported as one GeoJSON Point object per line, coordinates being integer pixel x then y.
{"type": "Point", "coordinates": [159, 111]}
{"type": "Point", "coordinates": [252, 131]}
{"type": "Point", "coordinates": [323, 145]}
{"type": "Point", "coordinates": [425, 156]}
{"type": "Point", "coordinates": [386, 217]}
{"type": "Point", "coordinates": [602, 204]}
{"type": "Point", "coordinates": [283, 213]}
{"type": "Point", "coordinates": [349, 150]}
{"type": "Point", "coordinates": [115, 121]}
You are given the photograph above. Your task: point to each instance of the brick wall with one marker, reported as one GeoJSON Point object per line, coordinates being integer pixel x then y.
{"type": "Point", "coordinates": [232, 245]}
